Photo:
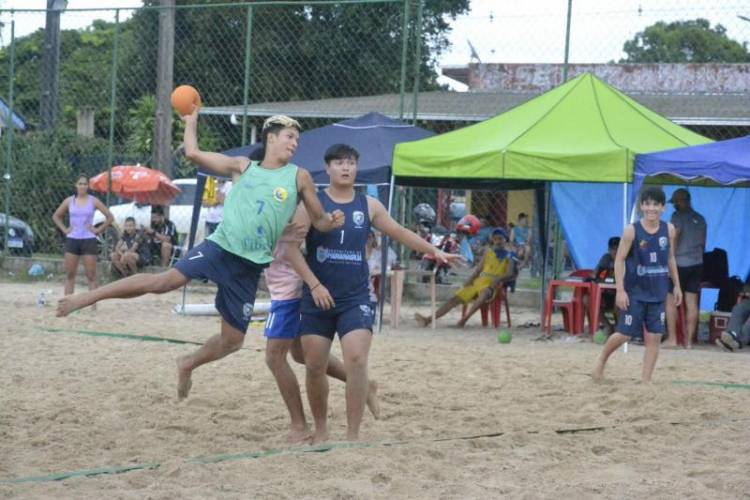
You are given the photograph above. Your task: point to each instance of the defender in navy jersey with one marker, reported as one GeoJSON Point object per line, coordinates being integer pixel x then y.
{"type": "Point", "coordinates": [643, 265]}
{"type": "Point", "coordinates": [335, 296]}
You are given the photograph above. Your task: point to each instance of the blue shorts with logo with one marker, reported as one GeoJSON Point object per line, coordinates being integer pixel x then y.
{"type": "Point", "coordinates": [343, 320]}
{"type": "Point", "coordinates": [639, 315]}
{"type": "Point", "coordinates": [283, 320]}
{"type": "Point", "coordinates": [237, 279]}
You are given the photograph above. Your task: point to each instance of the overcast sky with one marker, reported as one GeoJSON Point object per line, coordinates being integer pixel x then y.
{"type": "Point", "coordinates": [510, 31]}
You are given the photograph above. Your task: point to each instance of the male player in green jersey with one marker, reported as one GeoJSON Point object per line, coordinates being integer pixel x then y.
{"type": "Point", "coordinates": [256, 212]}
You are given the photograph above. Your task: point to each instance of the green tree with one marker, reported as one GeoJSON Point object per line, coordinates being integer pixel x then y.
{"type": "Point", "coordinates": [298, 51]}
{"type": "Point", "coordinates": [693, 41]}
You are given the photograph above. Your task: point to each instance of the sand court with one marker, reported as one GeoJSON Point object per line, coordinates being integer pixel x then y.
{"type": "Point", "coordinates": [462, 416]}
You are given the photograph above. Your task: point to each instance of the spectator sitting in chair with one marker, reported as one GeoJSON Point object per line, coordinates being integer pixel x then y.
{"type": "Point", "coordinates": [498, 267]}
{"type": "Point", "coordinates": [126, 257]}
{"type": "Point", "coordinates": [605, 273]}
{"type": "Point", "coordinates": [163, 236]}
{"type": "Point", "coordinates": [738, 332]}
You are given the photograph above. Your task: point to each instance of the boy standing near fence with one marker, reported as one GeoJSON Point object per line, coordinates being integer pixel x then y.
{"type": "Point", "coordinates": [643, 265]}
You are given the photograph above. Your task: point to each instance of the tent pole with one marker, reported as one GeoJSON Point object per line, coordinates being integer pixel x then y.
{"type": "Point", "coordinates": [384, 258]}
{"type": "Point", "coordinates": [545, 249]}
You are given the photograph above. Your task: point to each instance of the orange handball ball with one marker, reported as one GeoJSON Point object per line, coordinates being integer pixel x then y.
{"type": "Point", "coordinates": [183, 98]}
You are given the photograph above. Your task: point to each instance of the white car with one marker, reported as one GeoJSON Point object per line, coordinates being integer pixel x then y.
{"type": "Point", "coordinates": [180, 211]}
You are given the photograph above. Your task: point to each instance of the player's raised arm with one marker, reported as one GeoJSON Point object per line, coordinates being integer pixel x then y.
{"type": "Point", "coordinates": [382, 220]}
{"type": "Point", "coordinates": [217, 163]}
{"type": "Point", "coordinates": [319, 219]}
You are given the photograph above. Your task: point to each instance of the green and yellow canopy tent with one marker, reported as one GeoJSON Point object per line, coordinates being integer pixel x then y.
{"type": "Point", "coordinates": [581, 131]}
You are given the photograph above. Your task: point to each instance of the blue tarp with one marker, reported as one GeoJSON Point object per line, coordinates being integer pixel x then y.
{"type": "Point", "coordinates": [718, 163]}
{"type": "Point", "coordinates": [373, 135]}
{"type": "Point", "coordinates": [590, 213]}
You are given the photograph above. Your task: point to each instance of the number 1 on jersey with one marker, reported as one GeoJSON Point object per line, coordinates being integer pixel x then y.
{"type": "Point", "coordinates": [342, 237]}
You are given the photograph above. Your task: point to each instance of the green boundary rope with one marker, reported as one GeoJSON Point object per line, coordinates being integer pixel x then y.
{"type": "Point", "coordinates": [715, 384]}
{"type": "Point", "coordinates": [60, 476]}
{"type": "Point", "coordinates": [312, 449]}
{"type": "Point", "coordinates": [130, 336]}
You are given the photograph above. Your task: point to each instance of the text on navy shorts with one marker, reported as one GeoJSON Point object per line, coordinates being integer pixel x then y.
{"type": "Point", "coordinates": [283, 320]}
{"type": "Point", "coordinates": [237, 279]}
{"type": "Point", "coordinates": [639, 315]}
{"type": "Point", "coordinates": [343, 321]}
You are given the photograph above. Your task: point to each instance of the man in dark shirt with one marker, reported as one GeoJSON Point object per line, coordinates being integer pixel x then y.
{"type": "Point", "coordinates": [690, 243]}
{"type": "Point", "coordinates": [605, 273]}
{"type": "Point", "coordinates": [163, 235]}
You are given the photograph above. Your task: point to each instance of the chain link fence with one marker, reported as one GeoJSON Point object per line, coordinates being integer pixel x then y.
{"type": "Point", "coordinates": [105, 102]}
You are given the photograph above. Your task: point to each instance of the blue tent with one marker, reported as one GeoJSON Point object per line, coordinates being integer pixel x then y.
{"type": "Point", "coordinates": [590, 213]}
{"type": "Point", "coordinates": [373, 135]}
{"type": "Point", "coordinates": [725, 163]}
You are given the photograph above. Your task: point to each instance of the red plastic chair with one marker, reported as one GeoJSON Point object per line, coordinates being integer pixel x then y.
{"type": "Point", "coordinates": [572, 319]}
{"type": "Point", "coordinates": [493, 308]}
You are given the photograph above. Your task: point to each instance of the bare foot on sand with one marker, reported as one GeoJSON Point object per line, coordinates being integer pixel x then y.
{"type": "Point", "coordinates": [320, 437]}
{"type": "Point", "coordinates": [422, 320]}
{"type": "Point", "coordinates": [69, 304]}
{"type": "Point", "coordinates": [372, 399]}
{"type": "Point", "coordinates": [598, 374]}
{"type": "Point", "coordinates": [297, 436]}
{"type": "Point", "coordinates": [184, 382]}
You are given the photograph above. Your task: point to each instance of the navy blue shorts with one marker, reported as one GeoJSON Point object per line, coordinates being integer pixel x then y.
{"type": "Point", "coordinates": [237, 279]}
{"type": "Point", "coordinates": [86, 246]}
{"type": "Point", "coordinates": [343, 321]}
{"type": "Point", "coordinates": [639, 315]}
{"type": "Point", "coordinates": [283, 320]}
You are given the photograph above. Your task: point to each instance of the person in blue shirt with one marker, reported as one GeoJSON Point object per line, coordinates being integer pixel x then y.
{"type": "Point", "coordinates": [643, 265]}
{"type": "Point", "coordinates": [519, 237]}
{"type": "Point", "coordinates": [335, 298]}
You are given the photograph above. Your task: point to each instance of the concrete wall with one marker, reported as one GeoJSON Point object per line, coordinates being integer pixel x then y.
{"type": "Point", "coordinates": [644, 78]}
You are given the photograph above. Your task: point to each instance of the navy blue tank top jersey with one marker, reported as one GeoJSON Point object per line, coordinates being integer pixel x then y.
{"type": "Point", "coordinates": [647, 265]}
{"type": "Point", "coordinates": [338, 258]}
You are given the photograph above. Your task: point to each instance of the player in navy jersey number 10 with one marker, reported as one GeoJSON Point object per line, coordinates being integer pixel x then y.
{"type": "Point", "coordinates": [643, 265]}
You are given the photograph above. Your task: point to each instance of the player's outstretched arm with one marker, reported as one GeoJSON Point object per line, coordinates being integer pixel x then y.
{"type": "Point", "coordinates": [320, 294]}
{"type": "Point", "coordinates": [216, 163]}
{"type": "Point", "coordinates": [382, 220]}
{"type": "Point", "coordinates": [319, 219]}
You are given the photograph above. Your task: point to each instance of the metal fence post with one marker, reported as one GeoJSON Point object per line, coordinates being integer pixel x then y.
{"type": "Point", "coordinates": [112, 105]}
{"type": "Point", "coordinates": [417, 57]}
{"type": "Point", "coordinates": [567, 41]}
{"type": "Point", "coordinates": [9, 126]}
{"type": "Point", "coordinates": [404, 55]}
{"type": "Point", "coordinates": [248, 62]}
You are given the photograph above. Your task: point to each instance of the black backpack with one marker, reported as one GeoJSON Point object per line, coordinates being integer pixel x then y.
{"type": "Point", "coordinates": [715, 267]}
{"type": "Point", "coordinates": [728, 293]}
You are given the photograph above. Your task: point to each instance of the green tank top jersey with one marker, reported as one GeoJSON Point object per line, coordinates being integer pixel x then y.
{"type": "Point", "coordinates": [256, 210]}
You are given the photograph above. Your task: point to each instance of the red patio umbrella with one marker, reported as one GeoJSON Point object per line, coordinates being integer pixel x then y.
{"type": "Point", "coordinates": [138, 183]}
